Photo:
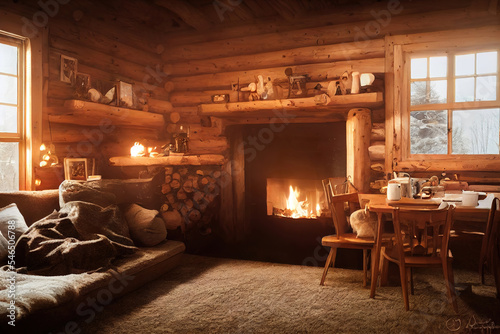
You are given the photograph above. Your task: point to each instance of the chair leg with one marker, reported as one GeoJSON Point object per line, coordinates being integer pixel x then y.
{"type": "Point", "coordinates": [329, 260]}
{"type": "Point", "coordinates": [404, 285]}
{"type": "Point", "coordinates": [365, 267]}
{"type": "Point", "coordinates": [450, 284]}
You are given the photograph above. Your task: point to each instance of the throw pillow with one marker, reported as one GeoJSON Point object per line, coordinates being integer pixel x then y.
{"type": "Point", "coordinates": [4, 249]}
{"type": "Point", "coordinates": [145, 227]}
{"type": "Point", "coordinates": [10, 216]}
{"type": "Point", "coordinates": [363, 223]}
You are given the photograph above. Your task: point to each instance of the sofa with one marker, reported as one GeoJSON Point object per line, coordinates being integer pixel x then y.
{"type": "Point", "coordinates": [44, 300]}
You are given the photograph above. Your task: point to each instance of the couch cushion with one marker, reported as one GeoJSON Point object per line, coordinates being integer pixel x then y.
{"type": "Point", "coordinates": [146, 228]}
{"type": "Point", "coordinates": [11, 219]}
{"type": "Point", "coordinates": [70, 191]}
{"type": "Point", "coordinates": [34, 205]}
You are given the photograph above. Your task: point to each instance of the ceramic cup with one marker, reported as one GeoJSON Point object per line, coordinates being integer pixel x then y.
{"type": "Point", "coordinates": [469, 198]}
{"type": "Point", "coordinates": [394, 191]}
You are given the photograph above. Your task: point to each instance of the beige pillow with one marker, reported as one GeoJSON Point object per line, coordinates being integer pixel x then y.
{"type": "Point", "coordinates": [10, 216]}
{"type": "Point", "coordinates": [146, 228]}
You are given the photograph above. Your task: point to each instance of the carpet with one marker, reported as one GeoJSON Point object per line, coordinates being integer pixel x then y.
{"type": "Point", "coordinates": [218, 295]}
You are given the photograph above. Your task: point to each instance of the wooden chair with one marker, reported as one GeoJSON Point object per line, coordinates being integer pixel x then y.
{"type": "Point", "coordinates": [489, 238]}
{"type": "Point", "coordinates": [422, 237]}
{"type": "Point", "coordinates": [339, 204]}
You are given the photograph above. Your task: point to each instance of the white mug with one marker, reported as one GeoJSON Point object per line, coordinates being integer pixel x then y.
{"type": "Point", "coordinates": [394, 191]}
{"type": "Point", "coordinates": [469, 198]}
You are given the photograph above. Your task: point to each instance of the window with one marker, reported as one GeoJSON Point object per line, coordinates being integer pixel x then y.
{"type": "Point", "coordinates": [454, 103]}
{"type": "Point", "coordinates": [12, 113]}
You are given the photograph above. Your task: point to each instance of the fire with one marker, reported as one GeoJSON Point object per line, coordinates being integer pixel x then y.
{"type": "Point", "coordinates": [137, 150]}
{"type": "Point", "coordinates": [299, 209]}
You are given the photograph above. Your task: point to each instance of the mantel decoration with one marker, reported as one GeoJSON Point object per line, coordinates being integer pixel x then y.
{"type": "Point", "coordinates": [78, 169]}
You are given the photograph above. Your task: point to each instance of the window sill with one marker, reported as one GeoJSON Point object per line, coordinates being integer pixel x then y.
{"type": "Point", "coordinates": [485, 163]}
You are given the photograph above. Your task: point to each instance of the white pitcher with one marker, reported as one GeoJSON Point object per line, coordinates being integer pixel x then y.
{"type": "Point", "coordinates": [394, 191]}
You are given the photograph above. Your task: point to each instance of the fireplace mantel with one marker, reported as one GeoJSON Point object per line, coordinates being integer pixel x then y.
{"type": "Point", "coordinates": [308, 105]}
{"type": "Point", "coordinates": [192, 160]}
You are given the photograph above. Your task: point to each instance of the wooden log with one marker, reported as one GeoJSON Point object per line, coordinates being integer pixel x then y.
{"type": "Point", "coordinates": [173, 220]}
{"type": "Point", "coordinates": [88, 113]}
{"type": "Point", "coordinates": [175, 184]}
{"type": "Point", "coordinates": [316, 72]}
{"type": "Point", "coordinates": [174, 117]}
{"type": "Point", "coordinates": [194, 160]}
{"type": "Point", "coordinates": [288, 57]}
{"type": "Point", "coordinates": [378, 132]}
{"type": "Point", "coordinates": [159, 106]}
{"type": "Point", "coordinates": [328, 34]}
{"type": "Point", "coordinates": [188, 186]}
{"type": "Point", "coordinates": [181, 195]}
{"type": "Point", "coordinates": [342, 16]}
{"type": "Point", "coordinates": [377, 152]}
{"type": "Point", "coordinates": [188, 13]}
{"type": "Point", "coordinates": [378, 167]}
{"type": "Point", "coordinates": [358, 129]}
{"type": "Point", "coordinates": [194, 215]}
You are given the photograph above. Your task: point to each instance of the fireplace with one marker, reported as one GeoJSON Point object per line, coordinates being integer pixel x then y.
{"type": "Point", "coordinates": [297, 157]}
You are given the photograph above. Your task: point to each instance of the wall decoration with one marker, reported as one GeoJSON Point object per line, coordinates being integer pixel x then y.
{"type": "Point", "coordinates": [78, 168]}
{"type": "Point", "coordinates": [125, 94]}
{"type": "Point", "coordinates": [82, 86]}
{"type": "Point", "coordinates": [69, 68]}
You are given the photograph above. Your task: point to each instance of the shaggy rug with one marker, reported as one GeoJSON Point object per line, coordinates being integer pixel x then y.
{"type": "Point", "coordinates": [217, 295]}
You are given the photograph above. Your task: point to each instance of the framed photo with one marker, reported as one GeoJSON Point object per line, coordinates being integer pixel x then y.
{"type": "Point", "coordinates": [125, 94]}
{"type": "Point", "coordinates": [68, 69]}
{"type": "Point", "coordinates": [77, 169]}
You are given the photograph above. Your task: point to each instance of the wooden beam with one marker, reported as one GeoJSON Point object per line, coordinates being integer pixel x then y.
{"type": "Point", "coordinates": [94, 114]}
{"type": "Point", "coordinates": [307, 103]}
{"type": "Point", "coordinates": [358, 129]}
{"type": "Point", "coordinates": [188, 13]}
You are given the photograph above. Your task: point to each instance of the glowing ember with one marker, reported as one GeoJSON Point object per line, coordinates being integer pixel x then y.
{"type": "Point", "coordinates": [137, 150]}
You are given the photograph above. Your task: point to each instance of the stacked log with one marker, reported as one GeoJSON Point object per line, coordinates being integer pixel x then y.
{"type": "Point", "coordinates": [377, 157]}
{"type": "Point", "coordinates": [191, 198]}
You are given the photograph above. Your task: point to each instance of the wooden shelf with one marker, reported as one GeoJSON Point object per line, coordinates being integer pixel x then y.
{"type": "Point", "coordinates": [321, 103]}
{"type": "Point", "coordinates": [92, 114]}
{"type": "Point", "coordinates": [194, 160]}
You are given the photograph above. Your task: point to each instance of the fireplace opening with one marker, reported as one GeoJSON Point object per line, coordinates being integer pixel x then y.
{"type": "Point", "coordinates": [294, 198]}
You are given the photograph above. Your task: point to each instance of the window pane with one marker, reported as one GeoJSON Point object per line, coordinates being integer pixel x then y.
{"type": "Point", "coordinates": [9, 166]}
{"type": "Point", "coordinates": [486, 89]}
{"type": "Point", "coordinates": [8, 119]}
{"type": "Point", "coordinates": [438, 91]}
{"type": "Point", "coordinates": [8, 59]}
{"type": "Point", "coordinates": [476, 131]}
{"type": "Point", "coordinates": [8, 89]}
{"type": "Point", "coordinates": [438, 67]}
{"type": "Point", "coordinates": [418, 92]}
{"type": "Point", "coordinates": [464, 64]}
{"type": "Point", "coordinates": [464, 89]}
{"type": "Point", "coordinates": [419, 68]}
{"type": "Point", "coordinates": [429, 132]}
{"type": "Point", "coordinates": [487, 62]}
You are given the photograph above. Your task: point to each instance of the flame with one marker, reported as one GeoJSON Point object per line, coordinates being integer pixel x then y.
{"type": "Point", "coordinates": [137, 150]}
{"type": "Point", "coordinates": [296, 208]}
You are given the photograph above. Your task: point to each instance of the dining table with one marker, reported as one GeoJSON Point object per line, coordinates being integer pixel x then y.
{"type": "Point", "coordinates": [379, 204]}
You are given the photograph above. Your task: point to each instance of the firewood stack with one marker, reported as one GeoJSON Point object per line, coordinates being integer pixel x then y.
{"type": "Point", "coordinates": [191, 198]}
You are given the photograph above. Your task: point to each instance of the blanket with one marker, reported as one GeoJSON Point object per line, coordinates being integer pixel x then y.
{"type": "Point", "coordinates": [81, 237]}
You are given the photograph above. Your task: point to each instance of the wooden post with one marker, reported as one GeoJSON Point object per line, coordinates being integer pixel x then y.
{"type": "Point", "coordinates": [358, 132]}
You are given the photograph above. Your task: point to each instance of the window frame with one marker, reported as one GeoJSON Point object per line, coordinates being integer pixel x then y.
{"type": "Point", "coordinates": [398, 156]}
{"type": "Point", "coordinates": [20, 135]}
{"type": "Point", "coordinates": [450, 104]}
{"type": "Point", "coordinates": [34, 98]}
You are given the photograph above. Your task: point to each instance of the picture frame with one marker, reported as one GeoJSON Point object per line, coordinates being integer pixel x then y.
{"type": "Point", "coordinates": [69, 69]}
{"type": "Point", "coordinates": [78, 169]}
{"type": "Point", "coordinates": [125, 94]}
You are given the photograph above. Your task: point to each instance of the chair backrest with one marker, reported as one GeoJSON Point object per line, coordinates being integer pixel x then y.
{"type": "Point", "coordinates": [425, 232]}
{"type": "Point", "coordinates": [492, 234]}
{"type": "Point", "coordinates": [341, 206]}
